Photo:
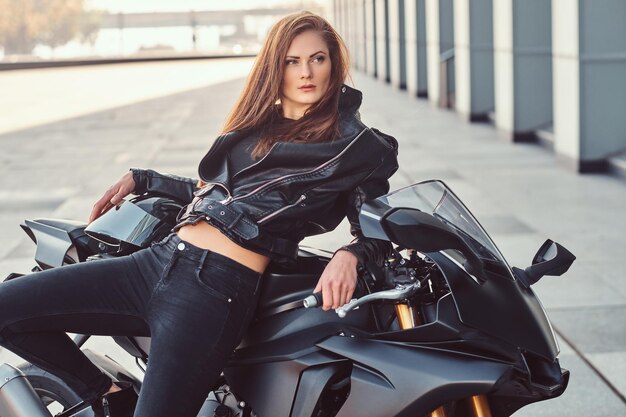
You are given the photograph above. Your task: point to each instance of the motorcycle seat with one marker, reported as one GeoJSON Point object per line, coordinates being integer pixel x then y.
{"type": "Point", "coordinates": [62, 224]}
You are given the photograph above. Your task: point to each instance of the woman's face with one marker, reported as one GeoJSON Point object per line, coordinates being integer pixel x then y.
{"type": "Point", "coordinates": [307, 74]}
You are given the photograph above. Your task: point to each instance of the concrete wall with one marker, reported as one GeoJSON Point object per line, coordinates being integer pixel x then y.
{"type": "Point", "coordinates": [536, 64]}
{"type": "Point", "coordinates": [590, 81]}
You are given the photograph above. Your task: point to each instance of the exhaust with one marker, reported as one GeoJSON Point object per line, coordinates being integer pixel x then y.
{"type": "Point", "coordinates": [17, 396]}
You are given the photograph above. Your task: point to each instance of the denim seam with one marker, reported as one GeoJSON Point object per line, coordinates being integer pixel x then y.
{"type": "Point", "coordinates": [81, 312]}
{"type": "Point", "coordinates": [163, 281]}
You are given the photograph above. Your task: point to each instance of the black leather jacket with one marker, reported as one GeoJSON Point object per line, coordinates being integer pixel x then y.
{"type": "Point", "coordinates": [295, 190]}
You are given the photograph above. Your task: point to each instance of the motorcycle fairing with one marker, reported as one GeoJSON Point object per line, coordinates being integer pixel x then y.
{"type": "Point", "coordinates": [405, 380]}
{"type": "Point", "coordinates": [515, 304]}
{"type": "Point", "coordinates": [475, 301]}
{"type": "Point", "coordinates": [409, 380]}
{"type": "Point", "coordinates": [135, 222]}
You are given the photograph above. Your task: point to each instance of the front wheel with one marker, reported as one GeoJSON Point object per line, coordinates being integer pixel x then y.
{"type": "Point", "coordinates": [53, 392]}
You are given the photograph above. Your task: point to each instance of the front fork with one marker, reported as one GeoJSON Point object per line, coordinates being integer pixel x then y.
{"type": "Point", "coordinates": [478, 404]}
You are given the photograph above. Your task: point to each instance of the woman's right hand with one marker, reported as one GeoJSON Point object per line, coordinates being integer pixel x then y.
{"type": "Point", "coordinates": [113, 196]}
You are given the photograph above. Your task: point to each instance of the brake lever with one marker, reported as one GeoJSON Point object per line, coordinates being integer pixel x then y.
{"type": "Point", "coordinates": [398, 293]}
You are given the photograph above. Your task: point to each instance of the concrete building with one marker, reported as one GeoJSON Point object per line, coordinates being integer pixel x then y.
{"type": "Point", "coordinates": [545, 71]}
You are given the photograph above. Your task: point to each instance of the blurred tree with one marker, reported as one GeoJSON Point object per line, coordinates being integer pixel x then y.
{"type": "Point", "coordinates": [26, 23]}
{"type": "Point", "coordinates": [90, 25]}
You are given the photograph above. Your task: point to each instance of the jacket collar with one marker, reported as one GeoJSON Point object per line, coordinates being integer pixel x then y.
{"type": "Point", "coordinates": [349, 99]}
{"type": "Point", "coordinates": [349, 102]}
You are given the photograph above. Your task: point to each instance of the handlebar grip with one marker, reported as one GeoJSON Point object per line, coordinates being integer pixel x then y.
{"type": "Point", "coordinates": [313, 300]}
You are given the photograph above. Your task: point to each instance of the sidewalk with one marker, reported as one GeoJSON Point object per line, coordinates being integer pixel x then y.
{"type": "Point", "coordinates": [518, 192]}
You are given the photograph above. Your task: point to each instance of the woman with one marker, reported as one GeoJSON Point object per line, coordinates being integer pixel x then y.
{"type": "Point", "coordinates": [294, 159]}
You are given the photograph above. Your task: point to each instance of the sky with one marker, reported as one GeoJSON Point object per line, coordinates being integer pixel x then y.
{"type": "Point", "coordinates": [136, 6]}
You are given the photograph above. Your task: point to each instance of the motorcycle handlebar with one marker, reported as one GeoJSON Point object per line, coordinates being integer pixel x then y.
{"type": "Point", "coordinates": [313, 300]}
{"type": "Point", "coordinates": [398, 293]}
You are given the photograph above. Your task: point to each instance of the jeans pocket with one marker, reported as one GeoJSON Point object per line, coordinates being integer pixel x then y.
{"type": "Point", "coordinates": [217, 283]}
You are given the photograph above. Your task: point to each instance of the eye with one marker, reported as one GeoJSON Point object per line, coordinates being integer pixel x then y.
{"type": "Point", "coordinates": [291, 61]}
{"type": "Point", "coordinates": [319, 59]}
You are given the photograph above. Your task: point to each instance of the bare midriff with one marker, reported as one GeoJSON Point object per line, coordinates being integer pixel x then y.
{"type": "Point", "coordinates": [206, 236]}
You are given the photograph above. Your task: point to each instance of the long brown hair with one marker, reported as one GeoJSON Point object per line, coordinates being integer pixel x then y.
{"type": "Point", "coordinates": [256, 107]}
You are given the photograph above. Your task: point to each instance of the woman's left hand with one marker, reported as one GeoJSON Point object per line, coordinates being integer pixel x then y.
{"type": "Point", "coordinates": [338, 280]}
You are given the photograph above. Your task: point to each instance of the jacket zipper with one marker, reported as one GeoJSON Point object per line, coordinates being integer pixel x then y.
{"type": "Point", "coordinates": [275, 180]}
{"type": "Point", "coordinates": [105, 407]}
{"type": "Point", "coordinates": [229, 199]}
{"type": "Point", "coordinates": [280, 210]}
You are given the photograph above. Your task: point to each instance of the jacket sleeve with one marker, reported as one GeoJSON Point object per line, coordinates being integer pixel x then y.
{"type": "Point", "coordinates": [166, 185]}
{"type": "Point", "coordinates": [377, 184]}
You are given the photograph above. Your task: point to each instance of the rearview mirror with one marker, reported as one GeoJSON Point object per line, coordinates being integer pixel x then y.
{"type": "Point", "coordinates": [551, 259]}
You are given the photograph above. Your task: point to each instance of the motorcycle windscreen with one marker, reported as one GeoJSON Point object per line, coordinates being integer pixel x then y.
{"type": "Point", "coordinates": [521, 320]}
{"type": "Point", "coordinates": [124, 223]}
{"type": "Point", "coordinates": [435, 198]}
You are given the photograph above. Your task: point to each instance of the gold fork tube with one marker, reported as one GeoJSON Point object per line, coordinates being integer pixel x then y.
{"type": "Point", "coordinates": [440, 412]}
{"type": "Point", "coordinates": [480, 406]}
{"type": "Point", "coordinates": [405, 316]}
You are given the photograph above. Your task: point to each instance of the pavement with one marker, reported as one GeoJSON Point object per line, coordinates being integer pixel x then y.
{"type": "Point", "coordinates": [63, 142]}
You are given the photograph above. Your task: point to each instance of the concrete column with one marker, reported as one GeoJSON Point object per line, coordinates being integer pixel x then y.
{"type": "Point", "coordinates": [341, 20]}
{"type": "Point", "coordinates": [394, 42]}
{"type": "Point", "coordinates": [439, 39]}
{"type": "Point", "coordinates": [370, 39]}
{"type": "Point", "coordinates": [410, 34]}
{"type": "Point", "coordinates": [352, 24]}
{"type": "Point", "coordinates": [523, 66]}
{"type": "Point", "coordinates": [344, 21]}
{"type": "Point", "coordinates": [335, 15]}
{"type": "Point", "coordinates": [415, 47]}
{"type": "Point", "coordinates": [422, 61]}
{"type": "Point", "coordinates": [359, 25]}
{"type": "Point", "coordinates": [589, 81]}
{"type": "Point", "coordinates": [402, 42]}
{"type": "Point", "coordinates": [381, 41]}
{"type": "Point", "coordinates": [473, 54]}
{"type": "Point", "coordinates": [393, 15]}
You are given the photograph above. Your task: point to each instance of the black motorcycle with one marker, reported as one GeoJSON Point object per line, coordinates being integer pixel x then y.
{"type": "Point", "coordinates": [444, 327]}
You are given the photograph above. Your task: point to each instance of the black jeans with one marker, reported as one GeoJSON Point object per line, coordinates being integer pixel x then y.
{"type": "Point", "coordinates": [195, 304]}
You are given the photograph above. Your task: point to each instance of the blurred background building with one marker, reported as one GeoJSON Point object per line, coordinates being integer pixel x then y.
{"type": "Point", "coordinates": [546, 71]}
{"type": "Point", "coordinates": [82, 29]}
